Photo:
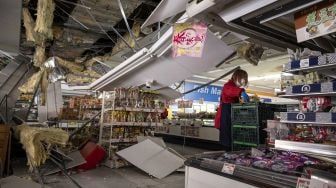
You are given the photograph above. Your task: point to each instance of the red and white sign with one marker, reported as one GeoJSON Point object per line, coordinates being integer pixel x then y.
{"type": "Point", "coordinates": [188, 39]}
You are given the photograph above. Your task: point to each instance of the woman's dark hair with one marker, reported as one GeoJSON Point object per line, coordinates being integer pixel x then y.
{"type": "Point", "coordinates": [238, 75]}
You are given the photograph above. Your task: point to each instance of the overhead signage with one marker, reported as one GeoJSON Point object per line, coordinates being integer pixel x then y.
{"type": "Point", "coordinates": [208, 93]}
{"type": "Point", "coordinates": [315, 21]}
{"type": "Point", "coordinates": [188, 39]}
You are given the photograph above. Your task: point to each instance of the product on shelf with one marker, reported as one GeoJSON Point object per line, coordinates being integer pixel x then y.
{"type": "Point", "coordinates": [276, 130]}
{"type": "Point", "coordinates": [200, 115]}
{"type": "Point", "coordinates": [312, 134]}
{"type": "Point", "coordinates": [301, 79]}
{"type": "Point", "coordinates": [315, 104]}
{"type": "Point", "coordinates": [127, 113]}
{"type": "Point", "coordinates": [69, 114]}
{"type": "Point", "coordinates": [190, 131]}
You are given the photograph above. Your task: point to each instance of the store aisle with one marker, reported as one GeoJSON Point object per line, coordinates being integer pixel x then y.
{"type": "Point", "coordinates": [130, 177]}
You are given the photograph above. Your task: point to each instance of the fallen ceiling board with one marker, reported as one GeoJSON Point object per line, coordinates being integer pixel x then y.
{"type": "Point", "coordinates": [167, 70]}
{"type": "Point", "coordinates": [157, 140]}
{"type": "Point", "coordinates": [77, 159]}
{"type": "Point", "coordinates": [16, 182]}
{"type": "Point", "coordinates": [10, 21]}
{"type": "Point", "coordinates": [152, 158]}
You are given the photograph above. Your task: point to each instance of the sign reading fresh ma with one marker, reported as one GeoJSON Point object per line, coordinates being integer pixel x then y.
{"type": "Point", "coordinates": [315, 21]}
{"type": "Point", "coordinates": [208, 93]}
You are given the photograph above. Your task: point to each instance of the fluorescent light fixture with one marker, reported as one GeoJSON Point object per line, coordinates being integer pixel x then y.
{"type": "Point", "coordinates": [287, 74]}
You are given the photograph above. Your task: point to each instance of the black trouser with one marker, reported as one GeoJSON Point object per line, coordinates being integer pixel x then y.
{"type": "Point", "coordinates": [225, 127]}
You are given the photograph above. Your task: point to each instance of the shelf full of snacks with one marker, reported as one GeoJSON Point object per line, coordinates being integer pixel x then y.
{"type": "Point", "coordinates": [126, 114]}
{"type": "Point", "coordinates": [313, 126]}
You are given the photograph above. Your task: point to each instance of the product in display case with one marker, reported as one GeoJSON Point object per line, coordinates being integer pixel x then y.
{"type": "Point", "coordinates": [261, 167]}
{"type": "Point", "coordinates": [126, 114]}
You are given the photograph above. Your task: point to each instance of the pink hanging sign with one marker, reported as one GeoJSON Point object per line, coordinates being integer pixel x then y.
{"type": "Point", "coordinates": [188, 39]}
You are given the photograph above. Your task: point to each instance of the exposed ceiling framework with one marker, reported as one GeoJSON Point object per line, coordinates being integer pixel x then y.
{"type": "Point", "coordinates": [84, 34]}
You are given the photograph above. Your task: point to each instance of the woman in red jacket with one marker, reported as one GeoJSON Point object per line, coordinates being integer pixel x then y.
{"type": "Point", "coordinates": [231, 93]}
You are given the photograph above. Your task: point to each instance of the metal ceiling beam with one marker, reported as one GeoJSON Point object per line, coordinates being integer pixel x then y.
{"type": "Point", "coordinates": [126, 23]}
{"type": "Point", "coordinates": [290, 9]}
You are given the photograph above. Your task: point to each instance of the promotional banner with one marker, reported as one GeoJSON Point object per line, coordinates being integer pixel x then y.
{"type": "Point", "coordinates": [315, 21]}
{"type": "Point", "coordinates": [188, 39]}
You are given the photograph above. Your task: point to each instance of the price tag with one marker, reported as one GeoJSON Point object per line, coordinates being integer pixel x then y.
{"type": "Point", "coordinates": [317, 182]}
{"type": "Point", "coordinates": [304, 63]}
{"type": "Point", "coordinates": [302, 183]}
{"type": "Point", "coordinates": [228, 168]}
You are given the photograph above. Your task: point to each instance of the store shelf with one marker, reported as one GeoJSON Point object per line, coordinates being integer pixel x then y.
{"type": "Point", "coordinates": [128, 109]}
{"type": "Point", "coordinates": [98, 108]}
{"type": "Point", "coordinates": [118, 141]}
{"type": "Point", "coordinates": [307, 148]}
{"type": "Point", "coordinates": [321, 89]}
{"type": "Point", "coordinates": [135, 124]}
{"type": "Point", "coordinates": [311, 64]}
{"type": "Point", "coordinates": [180, 135]}
{"type": "Point", "coordinates": [325, 118]}
{"type": "Point", "coordinates": [311, 68]}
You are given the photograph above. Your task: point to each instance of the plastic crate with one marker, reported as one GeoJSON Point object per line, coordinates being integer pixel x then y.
{"type": "Point", "coordinates": [254, 113]}
{"type": "Point", "coordinates": [244, 114]}
{"type": "Point", "coordinates": [241, 146]}
{"type": "Point", "coordinates": [249, 134]}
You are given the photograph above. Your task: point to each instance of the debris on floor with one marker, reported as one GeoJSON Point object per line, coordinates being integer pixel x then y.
{"type": "Point", "coordinates": [32, 138]}
{"type": "Point", "coordinates": [152, 158]}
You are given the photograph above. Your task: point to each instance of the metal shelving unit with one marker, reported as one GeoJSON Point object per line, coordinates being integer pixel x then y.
{"type": "Point", "coordinates": [319, 89]}
{"type": "Point", "coordinates": [316, 119]}
{"type": "Point", "coordinates": [106, 133]}
{"type": "Point", "coordinates": [325, 118]}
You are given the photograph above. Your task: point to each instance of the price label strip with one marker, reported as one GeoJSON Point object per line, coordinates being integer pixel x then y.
{"type": "Point", "coordinates": [228, 168]}
{"type": "Point", "coordinates": [304, 63]}
{"type": "Point", "coordinates": [303, 183]}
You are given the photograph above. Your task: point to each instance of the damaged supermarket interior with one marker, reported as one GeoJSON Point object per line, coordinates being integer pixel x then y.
{"type": "Point", "coordinates": [168, 93]}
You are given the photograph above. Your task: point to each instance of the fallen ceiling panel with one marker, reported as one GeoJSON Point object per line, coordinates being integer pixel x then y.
{"type": "Point", "coordinates": [10, 21]}
{"type": "Point", "coordinates": [165, 70]}
{"type": "Point", "coordinates": [152, 158]}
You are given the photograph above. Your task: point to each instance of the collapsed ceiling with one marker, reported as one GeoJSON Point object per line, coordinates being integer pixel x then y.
{"type": "Point", "coordinates": [82, 33]}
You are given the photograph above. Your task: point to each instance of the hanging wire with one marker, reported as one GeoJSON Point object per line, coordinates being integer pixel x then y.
{"type": "Point", "coordinates": [112, 27]}
{"type": "Point", "coordinates": [80, 23]}
{"type": "Point", "coordinates": [126, 23]}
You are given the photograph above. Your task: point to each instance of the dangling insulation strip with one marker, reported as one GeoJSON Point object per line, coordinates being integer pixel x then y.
{"type": "Point", "coordinates": [29, 24]}
{"type": "Point", "coordinates": [121, 45]}
{"type": "Point", "coordinates": [32, 137]}
{"type": "Point", "coordinates": [81, 78]}
{"type": "Point", "coordinates": [72, 66]}
{"type": "Point", "coordinates": [39, 56]}
{"type": "Point", "coordinates": [32, 83]}
{"type": "Point", "coordinates": [45, 16]}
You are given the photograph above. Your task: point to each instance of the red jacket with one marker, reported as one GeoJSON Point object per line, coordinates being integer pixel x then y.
{"type": "Point", "coordinates": [230, 94]}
